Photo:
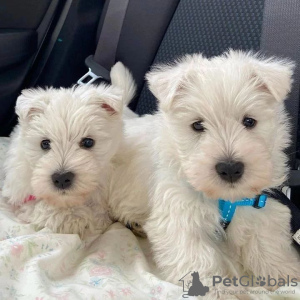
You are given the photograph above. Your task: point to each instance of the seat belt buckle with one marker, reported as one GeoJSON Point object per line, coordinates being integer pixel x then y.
{"type": "Point", "coordinates": [88, 78]}
{"type": "Point", "coordinates": [95, 72]}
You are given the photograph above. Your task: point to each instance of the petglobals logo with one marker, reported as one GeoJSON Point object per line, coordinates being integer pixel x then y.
{"type": "Point", "coordinates": [192, 286]}
{"type": "Point", "coordinates": [252, 281]}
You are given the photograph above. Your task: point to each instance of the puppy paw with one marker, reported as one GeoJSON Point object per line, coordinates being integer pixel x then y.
{"type": "Point", "coordinates": [74, 220]}
{"type": "Point", "coordinates": [72, 224]}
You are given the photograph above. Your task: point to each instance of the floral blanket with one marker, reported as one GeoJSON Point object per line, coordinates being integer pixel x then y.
{"type": "Point", "coordinates": [41, 265]}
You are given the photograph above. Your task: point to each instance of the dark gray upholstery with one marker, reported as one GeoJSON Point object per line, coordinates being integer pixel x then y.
{"type": "Point", "coordinates": [210, 27]}
{"type": "Point", "coordinates": [281, 37]}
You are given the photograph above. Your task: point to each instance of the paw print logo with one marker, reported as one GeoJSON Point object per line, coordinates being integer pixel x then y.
{"type": "Point", "coordinates": [261, 281]}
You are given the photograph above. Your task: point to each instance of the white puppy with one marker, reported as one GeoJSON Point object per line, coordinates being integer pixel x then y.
{"type": "Point", "coordinates": [220, 134]}
{"type": "Point", "coordinates": [223, 132]}
{"type": "Point", "coordinates": [59, 162]}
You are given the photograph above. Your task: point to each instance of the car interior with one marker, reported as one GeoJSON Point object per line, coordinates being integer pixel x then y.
{"type": "Point", "coordinates": [62, 42]}
{"type": "Point", "coordinates": [46, 42]}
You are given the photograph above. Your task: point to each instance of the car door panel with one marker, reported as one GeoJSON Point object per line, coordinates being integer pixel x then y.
{"type": "Point", "coordinates": [16, 46]}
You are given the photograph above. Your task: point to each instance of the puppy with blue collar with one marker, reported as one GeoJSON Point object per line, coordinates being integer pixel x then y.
{"type": "Point", "coordinates": [220, 136]}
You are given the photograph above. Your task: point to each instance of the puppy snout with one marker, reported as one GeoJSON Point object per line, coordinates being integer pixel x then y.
{"type": "Point", "coordinates": [63, 180]}
{"type": "Point", "coordinates": [230, 171]}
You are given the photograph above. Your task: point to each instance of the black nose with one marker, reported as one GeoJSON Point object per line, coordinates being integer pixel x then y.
{"type": "Point", "coordinates": [63, 180]}
{"type": "Point", "coordinates": [230, 171]}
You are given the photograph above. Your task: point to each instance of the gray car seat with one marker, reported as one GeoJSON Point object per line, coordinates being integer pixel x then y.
{"type": "Point", "coordinates": [158, 31]}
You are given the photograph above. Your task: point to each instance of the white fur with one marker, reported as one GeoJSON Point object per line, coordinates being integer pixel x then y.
{"type": "Point", "coordinates": [128, 193]}
{"type": "Point", "coordinates": [65, 117]}
{"type": "Point", "coordinates": [184, 223]}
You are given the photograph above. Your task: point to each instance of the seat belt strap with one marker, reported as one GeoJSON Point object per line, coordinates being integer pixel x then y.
{"type": "Point", "coordinates": [295, 212]}
{"type": "Point", "coordinates": [281, 37]}
{"type": "Point", "coordinates": [104, 58]}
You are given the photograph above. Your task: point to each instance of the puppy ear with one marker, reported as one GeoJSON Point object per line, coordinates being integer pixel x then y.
{"type": "Point", "coordinates": [164, 83]}
{"type": "Point", "coordinates": [167, 82]}
{"type": "Point", "coordinates": [275, 76]}
{"type": "Point", "coordinates": [30, 103]}
{"type": "Point", "coordinates": [110, 99]}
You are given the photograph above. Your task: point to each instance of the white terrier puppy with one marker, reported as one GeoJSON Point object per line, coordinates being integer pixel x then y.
{"type": "Point", "coordinates": [220, 134]}
{"type": "Point", "coordinates": [59, 162]}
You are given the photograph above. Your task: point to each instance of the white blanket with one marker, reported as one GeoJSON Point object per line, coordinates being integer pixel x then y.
{"type": "Point", "coordinates": [115, 265]}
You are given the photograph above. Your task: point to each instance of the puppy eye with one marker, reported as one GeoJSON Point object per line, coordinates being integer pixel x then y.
{"type": "Point", "coordinates": [45, 144]}
{"type": "Point", "coordinates": [198, 126]}
{"type": "Point", "coordinates": [87, 143]}
{"type": "Point", "coordinates": [249, 122]}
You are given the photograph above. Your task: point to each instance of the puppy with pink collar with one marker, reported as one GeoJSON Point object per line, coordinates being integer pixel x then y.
{"type": "Point", "coordinates": [59, 163]}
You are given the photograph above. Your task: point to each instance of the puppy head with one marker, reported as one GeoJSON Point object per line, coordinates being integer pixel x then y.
{"type": "Point", "coordinates": [69, 137]}
{"type": "Point", "coordinates": [226, 120]}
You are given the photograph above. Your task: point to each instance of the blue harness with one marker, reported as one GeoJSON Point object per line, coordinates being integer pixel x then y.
{"type": "Point", "coordinates": [227, 208]}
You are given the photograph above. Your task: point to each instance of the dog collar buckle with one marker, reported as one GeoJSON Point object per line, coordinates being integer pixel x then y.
{"type": "Point", "coordinates": [224, 224]}
{"type": "Point", "coordinates": [260, 201]}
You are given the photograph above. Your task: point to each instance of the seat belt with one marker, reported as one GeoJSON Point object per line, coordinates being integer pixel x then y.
{"type": "Point", "coordinates": [100, 63]}
{"type": "Point", "coordinates": [295, 212]}
{"type": "Point", "coordinates": [281, 37]}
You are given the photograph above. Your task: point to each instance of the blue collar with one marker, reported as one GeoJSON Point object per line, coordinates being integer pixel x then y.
{"type": "Point", "coordinates": [227, 208]}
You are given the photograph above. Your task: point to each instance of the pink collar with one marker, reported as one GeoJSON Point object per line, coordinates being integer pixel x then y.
{"type": "Point", "coordinates": [29, 198]}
